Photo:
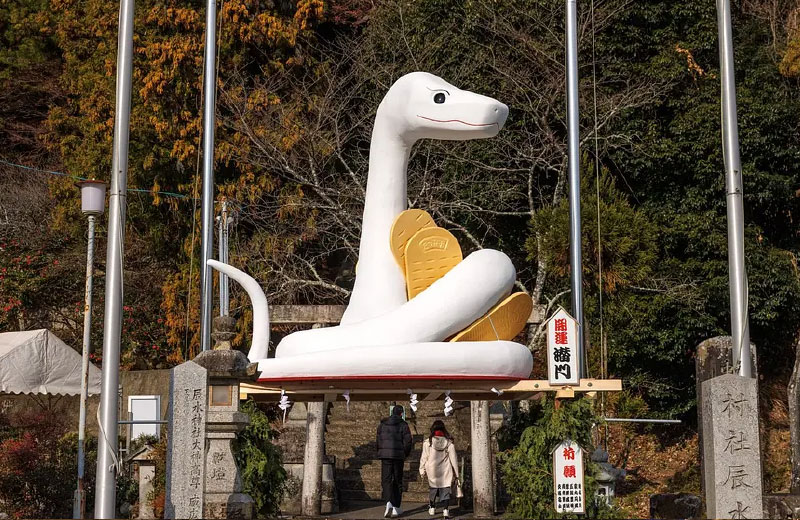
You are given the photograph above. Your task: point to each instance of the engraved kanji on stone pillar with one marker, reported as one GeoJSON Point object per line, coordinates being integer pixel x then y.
{"type": "Point", "coordinates": [731, 447]}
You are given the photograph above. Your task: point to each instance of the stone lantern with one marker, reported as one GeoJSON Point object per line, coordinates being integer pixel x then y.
{"type": "Point", "coordinates": [202, 478]}
{"type": "Point", "coordinates": [606, 477]}
{"type": "Point", "coordinates": [223, 483]}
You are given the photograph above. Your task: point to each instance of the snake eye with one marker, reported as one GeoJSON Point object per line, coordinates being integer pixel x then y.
{"type": "Point", "coordinates": [439, 98]}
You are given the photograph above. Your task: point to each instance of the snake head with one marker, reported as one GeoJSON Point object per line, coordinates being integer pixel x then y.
{"type": "Point", "coordinates": [421, 105]}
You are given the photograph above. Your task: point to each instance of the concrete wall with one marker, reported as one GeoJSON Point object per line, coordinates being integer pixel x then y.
{"type": "Point", "coordinates": [138, 382]}
{"type": "Point", "coordinates": [145, 382]}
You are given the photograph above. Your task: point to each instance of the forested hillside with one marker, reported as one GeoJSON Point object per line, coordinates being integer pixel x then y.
{"type": "Point", "coordinates": [298, 86]}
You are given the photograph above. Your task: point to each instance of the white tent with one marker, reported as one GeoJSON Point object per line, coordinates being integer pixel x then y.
{"type": "Point", "coordinates": [38, 362]}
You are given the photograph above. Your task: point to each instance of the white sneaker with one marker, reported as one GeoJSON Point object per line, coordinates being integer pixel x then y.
{"type": "Point", "coordinates": [396, 511]}
{"type": "Point", "coordinates": [446, 513]}
{"type": "Point", "coordinates": [431, 511]}
{"type": "Point", "coordinates": [388, 511]}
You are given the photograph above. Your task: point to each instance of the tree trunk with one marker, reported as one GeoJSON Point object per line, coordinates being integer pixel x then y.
{"type": "Point", "coordinates": [793, 391]}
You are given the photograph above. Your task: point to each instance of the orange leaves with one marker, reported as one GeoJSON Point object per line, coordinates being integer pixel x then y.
{"type": "Point", "coordinates": [308, 11]}
{"type": "Point", "coordinates": [267, 28]}
{"type": "Point", "coordinates": [260, 98]}
{"type": "Point", "coordinates": [155, 191]}
{"type": "Point", "coordinates": [789, 65]}
{"type": "Point", "coordinates": [691, 65]}
{"type": "Point", "coordinates": [256, 39]}
{"type": "Point", "coordinates": [175, 17]}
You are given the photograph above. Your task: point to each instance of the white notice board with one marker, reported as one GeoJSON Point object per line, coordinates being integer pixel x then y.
{"type": "Point", "coordinates": [145, 408]}
{"type": "Point", "coordinates": [562, 349]}
{"type": "Point", "coordinates": [568, 482]}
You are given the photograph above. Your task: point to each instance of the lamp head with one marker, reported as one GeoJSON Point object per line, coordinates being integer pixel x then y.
{"type": "Point", "coordinates": [93, 197]}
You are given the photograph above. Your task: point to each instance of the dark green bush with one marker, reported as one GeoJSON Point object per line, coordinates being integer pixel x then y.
{"type": "Point", "coordinates": [526, 468]}
{"type": "Point", "coordinates": [259, 461]}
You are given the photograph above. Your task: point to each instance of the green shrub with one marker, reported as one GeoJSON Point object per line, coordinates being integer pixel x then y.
{"type": "Point", "coordinates": [526, 469]}
{"type": "Point", "coordinates": [259, 461]}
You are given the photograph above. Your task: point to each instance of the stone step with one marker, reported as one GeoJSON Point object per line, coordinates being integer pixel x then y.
{"type": "Point", "coordinates": [350, 437]}
{"type": "Point", "coordinates": [375, 487]}
{"type": "Point", "coordinates": [350, 495]}
{"type": "Point", "coordinates": [374, 476]}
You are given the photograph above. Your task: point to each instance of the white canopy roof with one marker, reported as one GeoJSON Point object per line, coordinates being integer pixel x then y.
{"type": "Point", "coordinates": [38, 362]}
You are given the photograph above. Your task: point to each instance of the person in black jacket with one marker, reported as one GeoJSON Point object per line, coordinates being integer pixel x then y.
{"type": "Point", "coordinates": [394, 445]}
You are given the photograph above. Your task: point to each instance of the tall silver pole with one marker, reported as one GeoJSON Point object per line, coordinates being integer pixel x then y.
{"type": "Point", "coordinates": [107, 439]}
{"type": "Point", "coordinates": [223, 257]}
{"type": "Point", "coordinates": [573, 150]}
{"type": "Point", "coordinates": [209, 104]}
{"type": "Point", "coordinates": [79, 505]}
{"type": "Point", "coordinates": [737, 273]}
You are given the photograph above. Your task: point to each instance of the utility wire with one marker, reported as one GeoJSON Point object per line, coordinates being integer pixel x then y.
{"type": "Point", "coordinates": [79, 178]}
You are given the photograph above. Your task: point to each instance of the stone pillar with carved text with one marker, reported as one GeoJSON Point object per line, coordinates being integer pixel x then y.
{"type": "Point", "coordinates": [186, 441]}
{"type": "Point", "coordinates": [732, 470]}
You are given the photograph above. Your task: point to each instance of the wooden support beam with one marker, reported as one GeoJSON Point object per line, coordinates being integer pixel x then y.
{"type": "Point", "coordinates": [305, 314]}
{"type": "Point", "coordinates": [391, 390]}
{"type": "Point", "coordinates": [332, 314]}
{"type": "Point", "coordinates": [565, 393]}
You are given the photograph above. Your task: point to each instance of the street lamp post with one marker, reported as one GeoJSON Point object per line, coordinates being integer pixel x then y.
{"type": "Point", "coordinates": [207, 204]}
{"type": "Point", "coordinates": [93, 200]}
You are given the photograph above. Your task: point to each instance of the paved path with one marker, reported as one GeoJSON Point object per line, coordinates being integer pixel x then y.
{"type": "Point", "coordinates": [411, 511]}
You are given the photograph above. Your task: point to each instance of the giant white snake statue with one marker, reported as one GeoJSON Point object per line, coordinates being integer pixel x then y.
{"type": "Point", "coordinates": [383, 335]}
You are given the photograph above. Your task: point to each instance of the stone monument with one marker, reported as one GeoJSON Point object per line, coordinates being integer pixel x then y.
{"type": "Point", "coordinates": [146, 468]}
{"type": "Point", "coordinates": [732, 470]}
{"type": "Point", "coordinates": [188, 391]}
{"type": "Point", "coordinates": [714, 358]}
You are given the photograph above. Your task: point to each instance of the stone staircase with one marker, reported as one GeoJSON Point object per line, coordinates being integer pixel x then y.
{"type": "Point", "coordinates": [350, 437]}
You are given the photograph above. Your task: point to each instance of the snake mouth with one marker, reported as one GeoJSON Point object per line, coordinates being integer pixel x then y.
{"type": "Point", "coordinates": [460, 121]}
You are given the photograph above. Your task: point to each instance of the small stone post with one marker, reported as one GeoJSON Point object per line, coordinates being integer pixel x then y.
{"type": "Point", "coordinates": [482, 481]}
{"type": "Point", "coordinates": [731, 448]}
{"type": "Point", "coordinates": [312, 461]}
{"type": "Point", "coordinates": [147, 472]}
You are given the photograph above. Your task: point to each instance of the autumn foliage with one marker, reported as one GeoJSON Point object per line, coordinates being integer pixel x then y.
{"type": "Point", "coordinates": [38, 462]}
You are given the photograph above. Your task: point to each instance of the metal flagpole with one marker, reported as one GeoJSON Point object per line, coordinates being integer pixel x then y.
{"type": "Point", "coordinates": [737, 272]}
{"type": "Point", "coordinates": [207, 241]}
{"type": "Point", "coordinates": [105, 497]}
{"type": "Point", "coordinates": [573, 151]}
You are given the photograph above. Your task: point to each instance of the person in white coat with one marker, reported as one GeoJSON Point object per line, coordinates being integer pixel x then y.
{"type": "Point", "coordinates": [439, 463]}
